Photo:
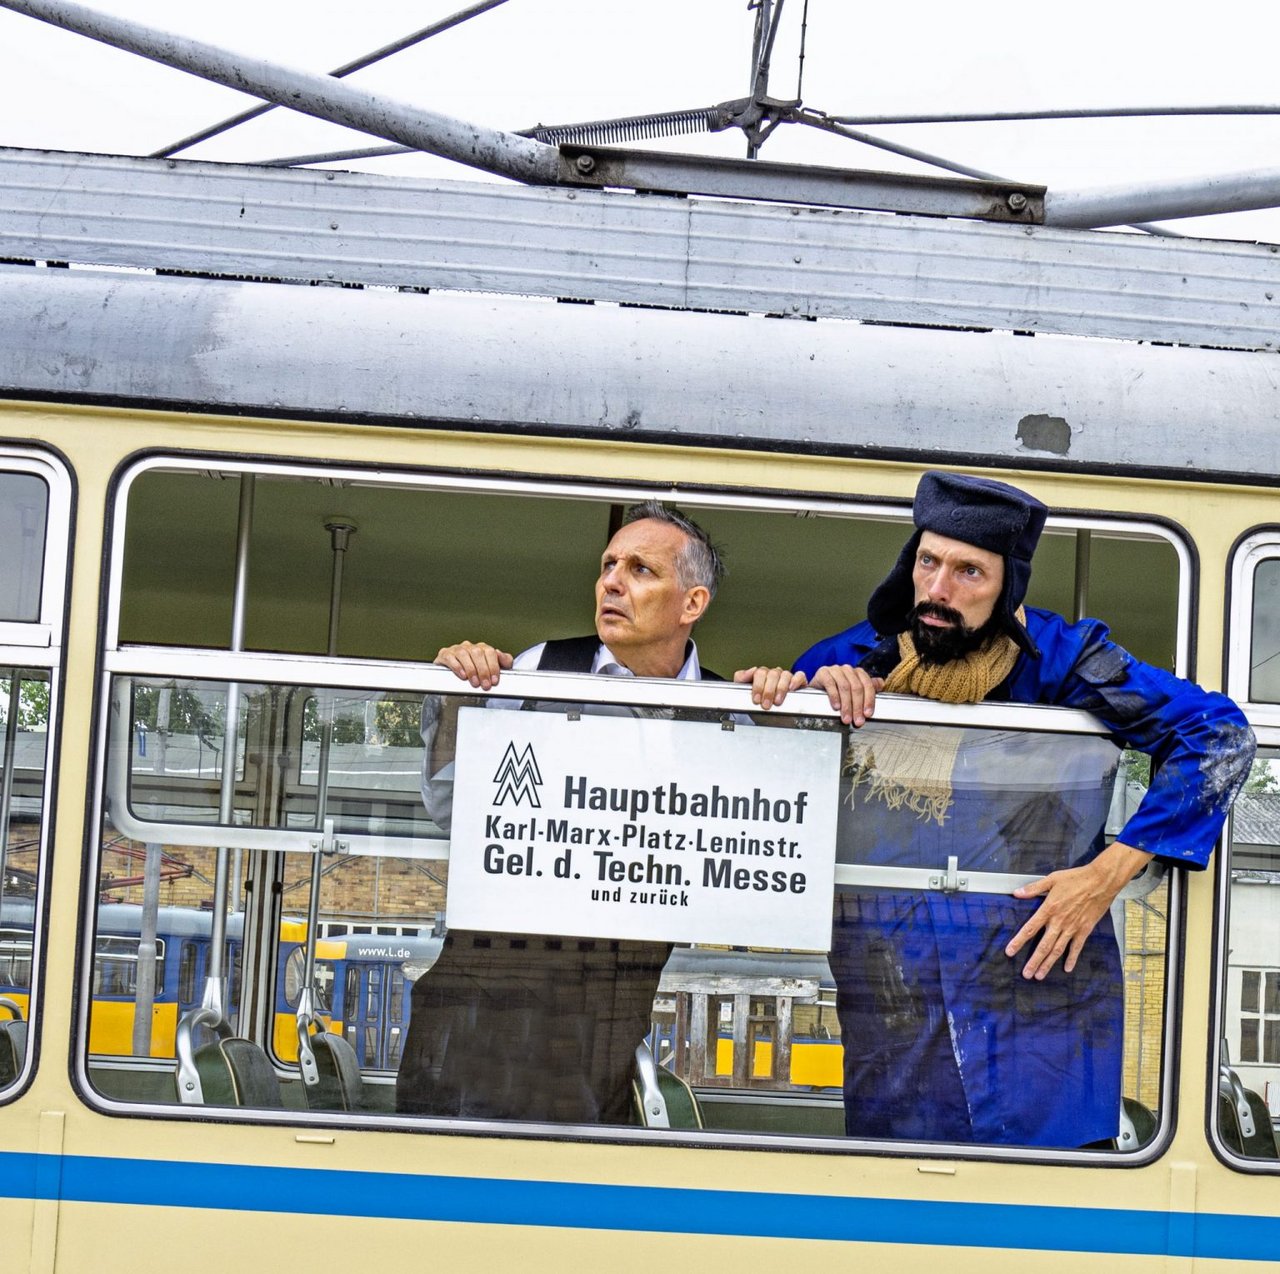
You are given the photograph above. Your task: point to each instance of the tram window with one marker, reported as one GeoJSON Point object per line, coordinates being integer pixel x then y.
{"type": "Point", "coordinates": [323, 982]}
{"type": "Point", "coordinates": [1250, 1023]}
{"type": "Point", "coordinates": [294, 976]}
{"type": "Point", "coordinates": [1260, 1017]}
{"type": "Point", "coordinates": [295, 979]}
{"type": "Point", "coordinates": [175, 747]}
{"type": "Point", "coordinates": [24, 509]}
{"type": "Point", "coordinates": [15, 960]}
{"type": "Point", "coordinates": [116, 965]}
{"type": "Point", "coordinates": [187, 973]}
{"type": "Point", "coordinates": [738, 1024]}
{"type": "Point", "coordinates": [1264, 681]}
{"type": "Point", "coordinates": [374, 741]}
{"type": "Point", "coordinates": [24, 737]}
{"type": "Point", "coordinates": [746, 1025]}
{"type": "Point", "coordinates": [411, 584]}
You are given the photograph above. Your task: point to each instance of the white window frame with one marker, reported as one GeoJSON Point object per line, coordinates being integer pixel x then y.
{"type": "Point", "coordinates": [1261, 546]}
{"type": "Point", "coordinates": [124, 661]}
{"type": "Point", "coordinates": [37, 644]}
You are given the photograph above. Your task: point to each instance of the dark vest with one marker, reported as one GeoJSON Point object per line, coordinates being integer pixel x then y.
{"type": "Point", "coordinates": [577, 654]}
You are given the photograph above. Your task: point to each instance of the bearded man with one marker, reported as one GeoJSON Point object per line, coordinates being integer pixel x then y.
{"type": "Point", "coordinates": [948, 1035]}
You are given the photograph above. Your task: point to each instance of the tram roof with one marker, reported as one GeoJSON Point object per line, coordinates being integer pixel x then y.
{"type": "Point", "coordinates": [188, 290]}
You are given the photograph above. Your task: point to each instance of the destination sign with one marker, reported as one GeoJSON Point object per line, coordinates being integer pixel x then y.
{"type": "Point", "coordinates": [626, 827]}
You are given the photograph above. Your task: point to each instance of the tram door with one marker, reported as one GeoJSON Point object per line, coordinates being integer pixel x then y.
{"type": "Point", "coordinates": [375, 1000]}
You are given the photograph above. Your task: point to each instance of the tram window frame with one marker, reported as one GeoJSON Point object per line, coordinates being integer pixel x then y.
{"type": "Point", "coordinates": [31, 649]}
{"type": "Point", "coordinates": [1253, 550]}
{"type": "Point", "coordinates": [121, 657]}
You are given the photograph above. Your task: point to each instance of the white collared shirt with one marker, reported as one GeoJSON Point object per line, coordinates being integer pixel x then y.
{"type": "Point", "coordinates": [437, 788]}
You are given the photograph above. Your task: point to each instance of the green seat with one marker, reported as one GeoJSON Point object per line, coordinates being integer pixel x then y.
{"type": "Point", "coordinates": [13, 1050]}
{"type": "Point", "coordinates": [225, 1071]}
{"type": "Point", "coordinates": [338, 1085]}
{"type": "Point", "coordinates": [1244, 1119]}
{"type": "Point", "coordinates": [236, 1072]}
{"type": "Point", "coordinates": [662, 1099]}
{"type": "Point", "coordinates": [1137, 1127]}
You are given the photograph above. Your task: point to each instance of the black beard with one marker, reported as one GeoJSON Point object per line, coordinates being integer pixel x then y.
{"type": "Point", "coordinates": [944, 645]}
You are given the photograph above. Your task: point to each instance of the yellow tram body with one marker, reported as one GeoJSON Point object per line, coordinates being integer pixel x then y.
{"type": "Point", "coordinates": [100, 1177]}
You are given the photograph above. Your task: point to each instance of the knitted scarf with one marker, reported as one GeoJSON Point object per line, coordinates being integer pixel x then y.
{"type": "Point", "coordinates": [906, 766]}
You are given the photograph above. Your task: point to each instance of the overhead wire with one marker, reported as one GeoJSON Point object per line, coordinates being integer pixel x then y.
{"type": "Point", "coordinates": [338, 73]}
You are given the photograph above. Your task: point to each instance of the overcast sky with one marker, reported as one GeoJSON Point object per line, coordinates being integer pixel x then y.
{"type": "Point", "coordinates": [557, 61]}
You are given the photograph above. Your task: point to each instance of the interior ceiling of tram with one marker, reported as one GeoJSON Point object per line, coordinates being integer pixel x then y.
{"type": "Point", "coordinates": [427, 567]}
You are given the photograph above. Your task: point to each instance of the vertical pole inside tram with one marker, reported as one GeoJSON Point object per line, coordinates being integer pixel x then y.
{"type": "Point", "coordinates": [215, 990]}
{"type": "Point", "coordinates": [144, 990]}
{"type": "Point", "coordinates": [1084, 550]}
{"type": "Point", "coordinates": [340, 532]}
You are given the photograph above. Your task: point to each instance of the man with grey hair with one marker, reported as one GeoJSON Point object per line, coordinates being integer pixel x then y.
{"type": "Point", "coordinates": [539, 1027]}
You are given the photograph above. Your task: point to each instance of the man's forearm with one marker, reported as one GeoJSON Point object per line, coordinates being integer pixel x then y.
{"type": "Point", "coordinates": [1117, 865]}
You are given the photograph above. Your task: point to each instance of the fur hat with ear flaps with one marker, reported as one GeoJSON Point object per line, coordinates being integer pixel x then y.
{"type": "Point", "coordinates": [979, 511]}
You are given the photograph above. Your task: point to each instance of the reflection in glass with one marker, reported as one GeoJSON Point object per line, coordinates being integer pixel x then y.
{"type": "Point", "coordinates": [24, 736]}
{"type": "Point", "coordinates": [1264, 649]}
{"type": "Point", "coordinates": [24, 508]}
{"type": "Point", "coordinates": [745, 1039]}
{"type": "Point", "coordinates": [1249, 1083]}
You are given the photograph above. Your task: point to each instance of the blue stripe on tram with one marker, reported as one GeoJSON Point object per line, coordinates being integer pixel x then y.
{"type": "Point", "coordinates": [578, 1205]}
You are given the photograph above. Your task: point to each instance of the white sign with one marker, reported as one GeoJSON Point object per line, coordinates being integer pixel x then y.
{"type": "Point", "coordinates": [624, 827]}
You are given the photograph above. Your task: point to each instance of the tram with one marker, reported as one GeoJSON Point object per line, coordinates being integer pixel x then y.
{"type": "Point", "coordinates": [359, 980]}
{"type": "Point", "coordinates": [270, 438]}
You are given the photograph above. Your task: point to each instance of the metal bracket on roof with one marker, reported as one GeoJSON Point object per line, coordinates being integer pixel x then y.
{"type": "Point", "coordinates": [672, 174]}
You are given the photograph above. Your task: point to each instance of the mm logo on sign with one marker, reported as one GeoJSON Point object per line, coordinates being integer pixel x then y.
{"type": "Point", "coordinates": [518, 777]}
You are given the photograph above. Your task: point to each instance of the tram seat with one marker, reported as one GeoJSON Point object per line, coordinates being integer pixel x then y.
{"type": "Point", "coordinates": [662, 1099]}
{"type": "Point", "coordinates": [13, 1050]}
{"type": "Point", "coordinates": [339, 1085]}
{"type": "Point", "coordinates": [1244, 1118]}
{"type": "Point", "coordinates": [226, 1071]}
{"type": "Point", "coordinates": [1138, 1125]}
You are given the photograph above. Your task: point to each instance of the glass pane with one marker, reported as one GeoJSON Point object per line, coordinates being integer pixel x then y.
{"type": "Point", "coordinates": [1264, 666]}
{"type": "Point", "coordinates": [24, 736]}
{"type": "Point", "coordinates": [176, 744]}
{"type": "Point", "coordinates": [187, 974]}
{"type": "Point", "coordinates": [24, 508]}
{"type": "Point", "coordinates": [1271, 1042]}
{"type": "Point", "coordinates": [620, 875]}
{"type": "Point", "coordinates": [1249, 1039]}
{"type": "Point", "coordinates": [1251, 1014]}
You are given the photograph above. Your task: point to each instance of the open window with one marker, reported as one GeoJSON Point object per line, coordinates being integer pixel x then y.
{"type": "Point", "coordinates": [264, 815]}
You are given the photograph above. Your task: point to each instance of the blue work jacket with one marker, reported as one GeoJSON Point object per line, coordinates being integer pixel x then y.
{"type": "Point", "coordinates": [1200, 744]}
{"type": "Point", "coordinates": [944, 1039]}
